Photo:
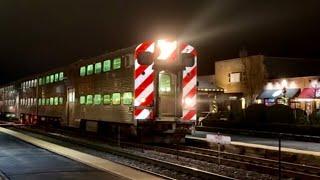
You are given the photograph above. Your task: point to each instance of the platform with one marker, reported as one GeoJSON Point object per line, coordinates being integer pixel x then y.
{"type": "Point", "coordinates": [25, 157]}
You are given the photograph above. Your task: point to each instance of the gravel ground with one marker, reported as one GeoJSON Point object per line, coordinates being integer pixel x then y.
{"type": "Point", "coordinates": [212, 167]}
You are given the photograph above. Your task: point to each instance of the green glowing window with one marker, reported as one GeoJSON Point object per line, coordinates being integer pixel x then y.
{"type": "Point", "coordinates": [89, 99]}
{"type": "Point", "coordinates": [97, 99]}
{"type": "Point", "coordinates": [51, 78]}
{"type": "Point", "coordinates": [83, 71]}
{"type": "Point", "coordinates": [90, 69]}
{"type": "Point", "coordinates": [61, 76]}
{"type": "Point", "coordinates": [51, 101]}
{"type": "Point", "coordinates": [56, 100]}
{"type": "Point", "coordinates": [116, 98]}
{"type": "Point", "coordinates": [43, 101]}
{"type": "Point", "coordinates": [60, 100]}
{"type": "Point", "coordinates": [40, 81]}
{"type": "Point", "coordinates": [56, 77]}
{"type": "Point", "coordinates": [82, 99]}
{"type": "Point", "coordinates": [39, 101]}
{"type": "Point", "coordinates": [106, 65]}
{"type": "Point", "coordinates": [127, 98]}
{"type": "Point", "coordinates": [106, 99]}
{"type": "Point", "coordinates": [43, 80]}
{"type": "Point", "coordinates": [97, 68]}
{"type": "Point", "coordinates": [117, 63]}
{"type": "Point", "coordinates": [48, 79]}
{"type": "Point", "coordinates": [48, 101]}
{"type": "Point", "coordinates": [164, 83]}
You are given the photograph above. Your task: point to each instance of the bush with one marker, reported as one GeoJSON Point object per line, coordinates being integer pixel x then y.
{"type": "Point", "coordinates": [280, 113]}
{"type": "Point", "coordinates": [256, 113]}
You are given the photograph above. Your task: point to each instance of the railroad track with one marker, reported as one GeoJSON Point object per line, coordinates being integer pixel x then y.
{"type": "Point", "coordinates": [116, 151]}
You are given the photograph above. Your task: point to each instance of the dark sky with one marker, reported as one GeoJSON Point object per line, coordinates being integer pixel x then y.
{"type": "Point", "coordinates": [40, 35]}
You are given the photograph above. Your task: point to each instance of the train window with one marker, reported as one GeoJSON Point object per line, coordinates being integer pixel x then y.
{"type": "Point", "coordinates": [164, 83]}
{"type": "Point", "coordinates": [60, 100]}
{"type": "Point", "coordinates": [127, 98]}
{"type": "Point", "coordinates": [89, 99]}
{"type": "Point", "coordinates": [116, 98]}
{"type": "Point", "coordinates": [116, 63]}
{"type": "Point", "coordinates": [56, 77]}
{"type": "Point", "coordinates": [43, 101]}
{"type": "Point", "coordinates": [97, 68]}
{"type": "Point", "coordinates": [56, 100]}
{"type": "Point", "coordinates": [106, 65]}
{"type": "Point", "coordinates": [97, 99]}
{"type": "Point", "coordinates": [51, 101]}
{"type": "Point", "coordinates": [90, 69]}
{"type": "Point", "coordinates": [106, 99]}
{"type": "Point", "coordinates": [61, 76]}
{"type": "Point", "coordinates": [83, 71]}
{"type": "Point", "coordinates": [82, 99]}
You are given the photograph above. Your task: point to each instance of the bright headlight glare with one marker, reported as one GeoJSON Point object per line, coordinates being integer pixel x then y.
{"type": "Point", "coordinates": [166, 48]}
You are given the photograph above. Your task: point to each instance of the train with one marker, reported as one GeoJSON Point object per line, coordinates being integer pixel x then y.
{"type": "Point", "coordinates": [149, 87]}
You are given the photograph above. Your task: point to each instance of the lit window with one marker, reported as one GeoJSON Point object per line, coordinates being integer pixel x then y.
{"type": "Point", "coordinates": [82, 99]}
{"type": "Point", "coordinates": [116, 98]}
{"type": "Point", "coordinates": [44, 80]}
{"type": "Point", "coordinates": [40, 81]}
{"type": "Point", "coordinates": [127, 98]}
{"type": "Point", "coordinates": [61, 76]}
{"type": "Point", "coordinates": [164, 83]}
{"type": "Point", "coordinates": [56, 77]}
{"type": "Point", "coordinates": [51, 101]}
{"type": "Point", "coordinates": [234, 77]}
{"type": "Point", "coordinates": [51, 78]}
{"type": "Point", "coordinates": [60, 100]}
{"type": "Point", "coordinates": [56, 101]}
{"type": "Point", "coordinates": [90, 69]}
{"type": "Point", "coordinates": [48, 101]}
{"type": "Point", "coordinates": [83, 71]}
{"type": "Point", "coordinates": [89, 99]}
{"type": "Point", "coordinates": [106, 99]}
{"type": "Point", "coordinates": [117, 63]}
{"type": "Point", "coordinates": [43, 101]}
{"type": "Point", "coordinates": [39, 101]}
{"type": "Point", "coordinates": [97, 99]}
{"type": "Point", "coordinates": [106, 65]}
{"type": "Point", "coordinates": [97, 68]}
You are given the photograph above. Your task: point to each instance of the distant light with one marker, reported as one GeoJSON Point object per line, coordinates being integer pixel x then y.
{"type": "Point", "coordinates": [243, 103]}
{"type": "Point", "coordinates": [269, 86]}
{"type": "Point", "coordinates": [166, 48]}
{"type": "Point", "coordinates": [284, 83]}
{"type": "Point", "coordinates": [277, 93]}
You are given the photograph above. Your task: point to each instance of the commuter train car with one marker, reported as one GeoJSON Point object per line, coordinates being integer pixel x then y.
{"type": "Point", "coordinates": [152, 86]}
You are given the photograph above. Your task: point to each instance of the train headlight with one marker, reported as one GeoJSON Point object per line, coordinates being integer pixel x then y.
{"type": "Point", "coordinates": [166, 48]}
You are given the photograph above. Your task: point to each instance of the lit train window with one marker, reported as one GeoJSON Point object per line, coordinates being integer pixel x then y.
{"type": "Point", "coordinates": [116, 98]}
{"type": "Point", "coordinates": [56, 77]}
{"type": "Point", "coordinates": [51, 101]}
{"type": "Point", "coordinates": [106, 65]}
{"type": "Point", "coordinates": [97, 68]}
{"type": "Point", "coordinates": [82, 99]}
{"type": "Point", "coordinates": [60, 100]}
{"type": "Point", "coordinates": [90, 69]}
{"type": "Point", "coordinates": [127, 98]}
{"type": "Point", "coordinates": [97, 99]}
{"type": "Point", "coordinates": [116, 63]}
{"type": "Point", "coordinates": [61, 76]}
{"type": "Point", "coordinates": [56, 100]}
{"type": "Point", "coordinates": [164, 83]}
{"type": "Point", "coordinates": [89, 99]}
{"type": "Point", "coordinates": [51, 78]}
{"type": "Point", "coordinates": [83, 71]}
{"type": "Point", "coordinates": [106, 99]}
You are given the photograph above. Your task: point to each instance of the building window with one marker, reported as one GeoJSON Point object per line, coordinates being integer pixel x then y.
{"type": "Point", "coordinates": [40, 81]}
{"type": "Point", "coordinates": [56, 77]}
{"type": "Point", "coordinates": [97, 99]}
{"type": "Point", "coordinates": [127, 98]}
{"type": "Point", "coordinates": [90, 69]}
{"type": "Point", "coordinates": [61, 76]}
{"type": "Point", "coordinates": [39, 101]}
{"type": "Point", "coordinates": [56, 101]}
{"type": "Point", "coordinates": [106, 99]}
{"type": "Point", "coordinates": [116, 63]}
{"type": "Point", "coordinates": [116, 98]}
{"type": "Point", "coordinates": [106, 65]}
{"type": "Point", "coordinates": [97, 68]}
{"type": "Point", "coordinates": [51, 78]}
{"type": "Point", "coordinates": [60, 100]}
{"type": "Point", "coordinates": [235, 77]}
{"type": "Point", "coordinates": [43, 80]}
{"type": "Point", "coordinates": [48, 101]}
{"type": "Point", "coordinates": [48, 79]}
{"type": "Point", "coordinates": [43, 101]}
{"type": "Point", "coordinates": [89, 99]}
{"type": "Point", "coordinates": [51, 101]}
{"type": "Point", "coordinates": [82, 99]}
{"type": "Point", "coordinates": [83, 71]}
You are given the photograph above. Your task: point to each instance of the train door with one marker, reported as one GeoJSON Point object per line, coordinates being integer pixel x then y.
{"type": "Point", "coordinates": [70, 105]}
{"type": "Point", "coordinates": [167, 95]}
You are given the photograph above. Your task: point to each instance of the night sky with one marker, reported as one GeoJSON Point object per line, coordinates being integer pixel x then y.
{"type": "Point", "coordinates": [40, 35]}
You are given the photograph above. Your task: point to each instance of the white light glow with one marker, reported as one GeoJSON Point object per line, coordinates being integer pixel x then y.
{"type": "Point", "coordinates": [166, 48]}
{"type": "Point", "coordinates": [284, 83]}
{"type": "Point", "coordinates": [243, 103]}
{"type": "Point", "coordinates": [269, 86]}
{"type": "Point", "coordinates": [293, 85]}
{"type": "Point", "coordinates": [277, 93]}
